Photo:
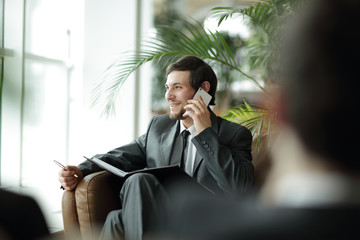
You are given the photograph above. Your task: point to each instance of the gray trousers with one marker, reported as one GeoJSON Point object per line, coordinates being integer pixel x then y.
{"type": "Point", "coordinates": [142, 197]}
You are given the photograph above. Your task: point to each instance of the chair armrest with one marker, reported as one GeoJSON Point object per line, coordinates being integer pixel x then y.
{"type": "Point", "coordinates": [70, 217]}
{"type": "Point", "coordinates": [94, 197]}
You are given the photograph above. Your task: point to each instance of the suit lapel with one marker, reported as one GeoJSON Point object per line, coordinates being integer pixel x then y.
{"type": "Point", "coordinates": [167, 143]}
{"type": "Point", "coordinates": [215, 127]}
{"type": "Point", "coordinates": [198, 160]}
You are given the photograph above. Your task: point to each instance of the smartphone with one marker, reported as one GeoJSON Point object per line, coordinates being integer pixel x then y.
{"type": "Point", "coordinates": [205, 96]}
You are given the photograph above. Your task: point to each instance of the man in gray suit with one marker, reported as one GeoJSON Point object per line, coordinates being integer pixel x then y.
{"type": "Point", "coordinates": [313, 188]}
{"type": "Point", "coordinates": [218, 152]}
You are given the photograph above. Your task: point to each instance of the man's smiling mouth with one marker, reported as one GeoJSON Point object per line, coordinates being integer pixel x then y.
{"type": "Point", "coordinates": [174, 104]}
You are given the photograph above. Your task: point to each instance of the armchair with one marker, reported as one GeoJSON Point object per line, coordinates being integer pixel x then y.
{"type": "Point", "coordinates": [85, 209]}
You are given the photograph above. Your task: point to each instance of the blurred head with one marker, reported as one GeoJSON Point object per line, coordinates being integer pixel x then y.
{"type": "Point", "coordinates": [200, 72]}
{"type": "Point", "coordinates": [321, 80]}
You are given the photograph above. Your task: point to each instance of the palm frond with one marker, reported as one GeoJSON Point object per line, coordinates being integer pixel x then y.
{"type": "Point", "coordinates": [267, 19]}
{"type": "Point", "coordinates": [171, 42]}
{"type": "Point", "coordinates": [256, 118]}
{"type": "Point", "coordinates": [258, 14]}
{"type": "Point", "coordinates": [265, 14]}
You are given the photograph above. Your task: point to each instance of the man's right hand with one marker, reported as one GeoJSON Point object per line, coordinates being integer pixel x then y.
{"type": "Point", "coordinates": [67, 179]}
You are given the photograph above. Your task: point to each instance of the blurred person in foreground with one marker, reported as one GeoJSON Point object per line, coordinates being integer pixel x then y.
{"type": "Point", "coordinates": [21, 218]}
{"type": "Point", "coordinates": [313, 190]}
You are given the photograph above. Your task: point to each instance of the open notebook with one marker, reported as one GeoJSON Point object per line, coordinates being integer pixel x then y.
{"type": "Point", "coordinates": [167, 174]}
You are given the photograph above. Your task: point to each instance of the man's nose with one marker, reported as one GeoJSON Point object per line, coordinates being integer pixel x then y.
{"type": "Point", "coordinates": [169, 95]}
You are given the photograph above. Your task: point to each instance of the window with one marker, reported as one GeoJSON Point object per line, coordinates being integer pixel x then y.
{"type": "Point", "coordinates": [2, 54]}
{"type": "Point", "coordinates": [47, 84]}
{"type": "Point", "coordinates": [52, 52]}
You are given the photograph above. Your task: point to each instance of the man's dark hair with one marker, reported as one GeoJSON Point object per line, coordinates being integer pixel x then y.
{"type": "Point", "coordinates": [322, 80]}
{"type": "Point", "coordinates": [200, 72]}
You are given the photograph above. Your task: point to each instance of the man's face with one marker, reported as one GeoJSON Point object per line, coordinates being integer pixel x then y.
{"type": "Point", "coordinates": [178, 91]}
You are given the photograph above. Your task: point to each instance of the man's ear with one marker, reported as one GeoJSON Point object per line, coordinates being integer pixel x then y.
{"type": "Point", "coordinates": [206, 86]}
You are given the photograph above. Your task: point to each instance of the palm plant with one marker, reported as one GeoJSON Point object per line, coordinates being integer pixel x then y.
{"type": "Point", "coordinates": [194, 39]}
{"type": "Point", "coordinates": [268, 20]}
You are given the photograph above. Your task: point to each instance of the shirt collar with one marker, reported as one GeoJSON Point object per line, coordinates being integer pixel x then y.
{"type": "Point", "coordinates": [191, 129]}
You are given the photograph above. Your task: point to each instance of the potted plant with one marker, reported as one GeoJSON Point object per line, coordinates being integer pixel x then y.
{"type": "Point", "coordinates": [189, 37]}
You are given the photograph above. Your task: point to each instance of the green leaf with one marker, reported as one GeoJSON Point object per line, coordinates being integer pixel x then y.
{"type": "Point", "coordinates": [172, 42]}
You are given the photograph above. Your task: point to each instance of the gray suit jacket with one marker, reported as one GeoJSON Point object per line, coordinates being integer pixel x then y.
{"type": "Point", "coordinates": [224, 162]}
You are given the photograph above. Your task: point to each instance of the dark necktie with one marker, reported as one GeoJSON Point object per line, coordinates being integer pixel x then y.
{"type": "Point", "coordinates": [184, 136]}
